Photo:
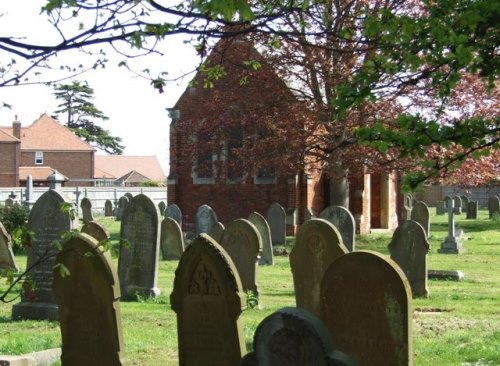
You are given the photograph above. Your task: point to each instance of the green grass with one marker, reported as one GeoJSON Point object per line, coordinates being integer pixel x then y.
{"type": "Point", "coordinates": [458, 325]}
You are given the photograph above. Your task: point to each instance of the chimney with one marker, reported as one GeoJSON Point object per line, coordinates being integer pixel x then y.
{"type": "Point", "coordinates": [16, 128]}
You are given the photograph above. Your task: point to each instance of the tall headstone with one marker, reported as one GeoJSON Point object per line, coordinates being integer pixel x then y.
{"type": "Point", "coordinates": [409, 248]}
{"type": "Point", "coordinates": [97, 231]}
{"type": "Point", "coordinates": [217, 231]}
{"type": "Point", "coordinates": [173, 211]}
{"type": "Point", "coordinates": [123, 202]}
{"type": "Point", "coordinates": [447, 202]}
{"type": "Point", "coordinates": [138, 260]}
{"type": "Point", "coordinates": [276, 219]}
{"type": "Point", "coordinates": [208, 299]}
{"type": "Point", "coordinates": [89, 308]}
{"type": "Point", "coordinates": [161, 207]}
{"type": "Point", "coordinates": [344, 222]}
{"type": "Point", "coordinates": [472, 207]}
{"type": "Point", "coordinates": [243, 243]}
{"type": "Point", "coordinates": [129, 195]}
{"type": "Point", "coordinates": [205, 219]}
{"type": "Point", "coordinates": [451, 243]}
{"type": "Point", "coordinates": [420, 213]}
{"type": "Point", "coordinates": [440, 208]}
{"type": "Point", "coordinates": [7, 261]}
{"type": "Point", "coordinates": [108, 208]}
{"type": "Point", "coordinates": [493, 206]}
{"type": "Point", "coordinates": [171, 239]}
{"type": "Point", "coordinates": [267, 257]}
{"type": "Point", "coordinates": [48, 222]}
{"type": "Point", "coordinates": [457, 202]}
{"type": "Point", "coordinates": [366, 305]}
{"type": "Point", "coordinates": [317, 245]}
{"type": "Point", "coordinates": [408, 205]}
{"type": "Point", "coordinates": [465, 202]}
{"type": "Point", "coordinates": [30, 198]}
{"type": "Point", "coordinates": [294, 337]}
{"type": "Point", "coordinates": [86, 206]}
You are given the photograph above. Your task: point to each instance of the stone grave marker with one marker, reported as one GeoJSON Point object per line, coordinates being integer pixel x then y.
{"type": "Point", "coordinates": [89, 308]}
{"type": "Point", "coordinates": [217, 231]}
{"type": "Point", "coordinates": [96, 230]}
{"type": "Point", "coordinates": [440, 208]}
{"type": "Point", "coordinates": [276, 219]}
{"type": "Point", "coordinates": [409, 248]}
{"type": "Point", "coordinates": [344, 222]}
{"type": "Point", "coordinates": [129, 195]}
{"type": "Point", "coordinates": [309, 214]}
{"type": "Point", "coordinates": [317, 245]}
{"type": "Point", "coordinates": [161, 207]}
{"type": "Point", "coordinates": [420, 213]}
{"type": "Point", "coordinates": [294, 337]}
{"type": "Point", "coordinates": [465, 201]}
{"type": "Point", "coordinates": [48, 222]}
{"type": "Point", "coordinates": [472, 207]}
{"type": "Point", "coordinates": [9, 203]}
{"type": "Point", "coordinates": [493, 206]}
{"type": "Point", "coordinates": [208, 299]}
{"type": "Point", "coordinates": [242, 241]}
{"type": "Point", "coordinates": [408, 205]}
{"type": "Point", "coordinates": [7, 260]}
{"type": "Point", "coordinates": [108, 208]}
{"type": "Point", "coordinates": [123, 202]}
{"type": "Point", "coordinates": [457, 201]}
{"type": "Point", "coordinates": [171, 239]}
{"type": "Point", "coordinates": [267, 257]}
{"type": "Point", "coordinates": [447, 202]}
{"type": "Point", "coordinates": [366, 305]}
{"type": "Point", "coordinates": [205, 219]}
{"type": "Point", "coordinates": [173, 211]}
{"type": "Point", "coordinates": [86, 206]}
{"type": "Point", "coordinates": [138, 261]}
{"type": "Point", "coordinates": [452, 243]}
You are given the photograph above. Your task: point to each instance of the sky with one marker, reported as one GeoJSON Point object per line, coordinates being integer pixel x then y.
{"type": "Point", "coordinates": [137, 112]}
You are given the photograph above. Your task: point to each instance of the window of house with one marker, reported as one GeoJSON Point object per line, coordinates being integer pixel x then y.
{"type": "Point", "coordinates": [39, 157]}
{"type": "Point", "coordinates": [265, 175]}
{"type": "Point", "coordinates": [203, 170]}
{"type": "Point", "coordinates": [234, 169]}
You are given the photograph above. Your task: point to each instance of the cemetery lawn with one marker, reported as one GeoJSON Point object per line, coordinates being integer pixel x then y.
{"type": "Point", "coordinates": [459, 324]}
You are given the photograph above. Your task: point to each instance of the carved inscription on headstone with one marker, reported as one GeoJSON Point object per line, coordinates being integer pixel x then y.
{"type": "Point", "coordinates": [205, 219]}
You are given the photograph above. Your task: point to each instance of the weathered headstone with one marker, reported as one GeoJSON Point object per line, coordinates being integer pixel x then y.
{"type": "Point", "coordinates": [96, 230]}
{"type": "Point", "coordinates": [171, 239]}
{"type": "Point", "coordinates": [29, 196]}
{"type": "Point", "coordinates": [408, 205]}
{"type": "Point", "coordinates": [89, 308]}
{"type": "Point", "coordinates": [465, 202]}
{"type": "Point", "coordinates": [317, 245]}
{"type": "Point", "coordinates": [451, 243]}
{"type": "Point", "coordinates": [47, 221]}
{"type": "Point", "coordinates": [9, 203]}
{"type": "Point", "coordinates": [276, 219]}
{"type": "Point", "coordinates": [86, 206]}
{"type": "Point", "coordinates": [242, 242]}
{"type": "Point", "coordinates": [129, 195]}
{"type": "Point", "coordinates": [294, 337]}
{"type": "Point", "coordinates": [457, 201]}
{"type": "Point", "coordinates": [138, 261]}
{"type": "Point", "coordinates": [173, 211]}
{"type": "Point", "coordinates": [208, 299]}
{"type": "Point", "coordinates": [493, 206]}
{"type": "Point", "coordinates": [123, 202]}
{"type": "Point", "coordinates": [344, 222]}
{"type": "Point", "coordinates": [409, 248]}
{"type": "Point", "coordinates": [108, 208]}
{"type": "Point", "coordinates": [267, 257]}
{"type": "Point", "coordinates": [420, 213]}
{"type": "Point", "coordinates": [217, 231]}
{"type": "Point", "coordinates": [472, 207]}
{"type": "Point", "coordinates": [440, 208]}
{"type": "Point", "coordinates": [447, 202]}
{"type": "Point", "coordinates": [205, 219]}
{"type": "Point", "coordinates": [366, 305]}
{"type": "Point", "coordinates": [161, 207]}
{"type": "Point", "coordinates": [7, 261]}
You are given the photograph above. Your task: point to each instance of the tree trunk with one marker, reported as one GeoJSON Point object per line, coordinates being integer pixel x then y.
{"type": "Point", "coordinates": [339, 186]}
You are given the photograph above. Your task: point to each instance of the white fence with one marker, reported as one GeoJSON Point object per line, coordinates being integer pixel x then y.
{"type": "Point", "coordinates": [97, 195]}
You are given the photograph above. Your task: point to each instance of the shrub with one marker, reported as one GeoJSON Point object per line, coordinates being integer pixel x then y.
{"type": "Point", "coordinates": [14, 220]}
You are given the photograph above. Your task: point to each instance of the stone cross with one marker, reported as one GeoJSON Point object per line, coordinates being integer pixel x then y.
{"type": "Point", "coordinates": [451, 243]}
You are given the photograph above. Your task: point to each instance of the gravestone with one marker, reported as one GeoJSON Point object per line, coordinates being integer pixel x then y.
{"type": "Point", "coordinates": [89, 308]}
{"type": "Point", "coordinates": [420, 213]}
{"type": "Point", "coordinates": [138, 261]}
{"type": "Point", "coordinates": [408, 205]}
{"type": "Point", "coordinates": [86, 206]}
{"type": "Point", "coordinates": [267, 257]}
{"type": "Point", "coordinates": [472, 207]}
{"type": "Point", "coordinates": [317, 245]}
{"type": "Point", "coordinates": [217, 231]}
{"type": "Point", "coordinates": [409, 248]}
{"type": "Point", "coordinates": [123, 202]}
{"type": "Point", "coordinates": [29, 196]}
{"type": "Point", "coordinates": [440, 208]}
{"type": "Point", "coordinates": [108, 208]}
{"type": "Point", "coordinates": [9, 203]}
{"type": "Point", "coordinates": [208, 299]}
{"type": "Point", "coordinates": [447, 202]}
{"type": "Point", "coordinates": [309, 214]}
{"type": "Point", "coordinates": [465, 202]}
{"type": "Point", "coordinates": [7, 261]}
{"type": "Point", "coordinates": [161, 207]}
{"type": "Point", "coordinates": [493, 206]}
{"type": "Point", "coordinates": [344, 222]}
{"type": "Point", "coordinates": [242, 242]}
{"type": "Point", "coordinates": [451, 243]}
{"type": "Point", "coordinates": [129, 196]}
{"type": "Point", "coordinates": [294, 337]}
{"type": "Point", "coordinates": [276, 219]}
{"type": "Point", "coordinates": [171, 239]}
{"type": "Point", "coordinates": [97, 231]}
{"type": "Point", "coordinates": [173, 211]}
{"type": "Point", "coordinates": [457, 201]}
{"type": "Point", "coordinates": [48, 222]}
{"type": "Point", "coordinates": [366, 305]}
{"type": "Point", "coordinates": [205, 219]}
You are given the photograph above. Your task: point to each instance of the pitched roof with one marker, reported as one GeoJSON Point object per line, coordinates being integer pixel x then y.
{"type": "Point", "coordinates": [36, 172]}
{"type": "Point", "coordinates": [133, 177]}
{"type": "Point", "coordinates": [116, 166]}
{"type": "Point", "coordinates": [5, 136]}
{"type": "Point", "coordinates": [49, 135]}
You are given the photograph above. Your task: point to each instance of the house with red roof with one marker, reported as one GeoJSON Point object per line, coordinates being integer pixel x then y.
{"type": "Point", "coordinates": [127, 170]}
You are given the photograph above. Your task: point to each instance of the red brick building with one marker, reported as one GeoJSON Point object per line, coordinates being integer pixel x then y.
{"type": "Point", "coordinates": [373, 198]}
